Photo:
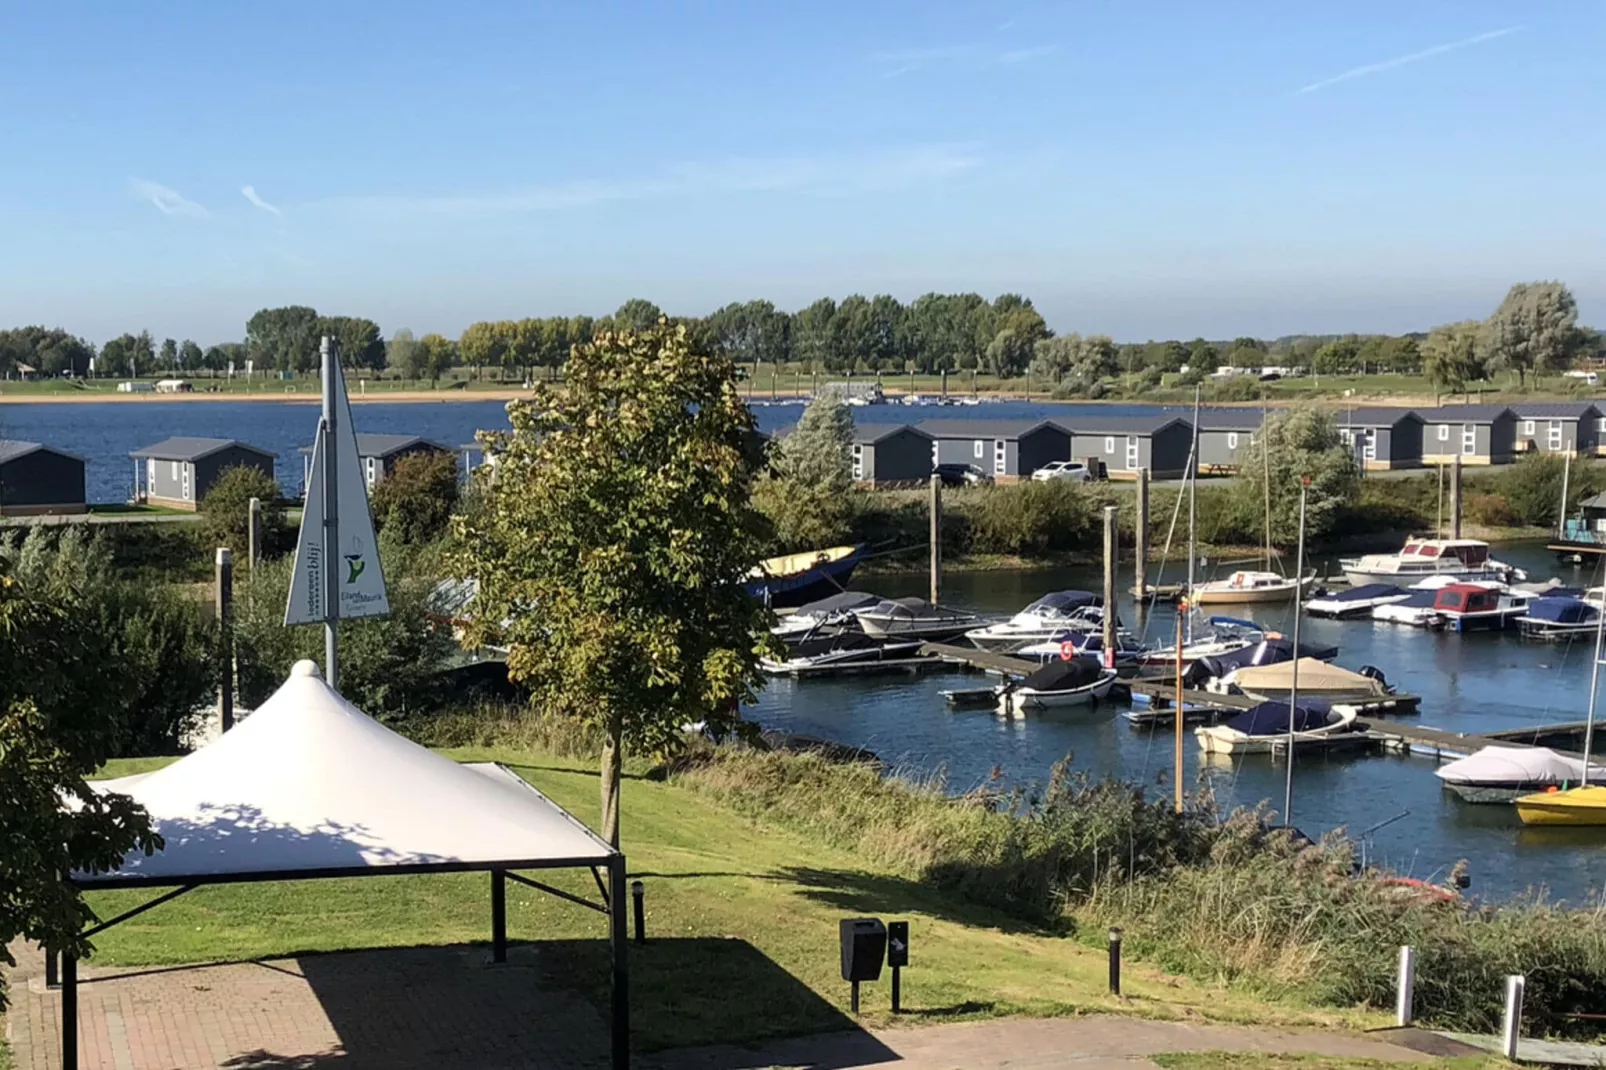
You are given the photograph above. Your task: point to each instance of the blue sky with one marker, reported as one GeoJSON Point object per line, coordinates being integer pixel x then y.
{"type": "Point", "coordinates": [1141, 169]}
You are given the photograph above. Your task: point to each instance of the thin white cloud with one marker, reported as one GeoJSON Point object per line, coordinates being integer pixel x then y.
{"type": "Point", "coordinates": [1022, 55]}
{"type": "Point", "coordinates": [975, 57]}
{"type": "Point", "coordinates": [250, 194]}
{"type": "Point", "coordinates": [1401, 61]}
{"type": "Point", "coordinates": [842, 175]}
{"type": "Point", "coordinates": [168, 201]}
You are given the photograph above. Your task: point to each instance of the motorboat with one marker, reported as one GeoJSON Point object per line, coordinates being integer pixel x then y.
{"type": "Point", "coordinates": [1470, 607]}
{"type": "Point", "coordinates": [1259, 729]}
{"type": "Point", "coordinates": [1557, 618]}
{"type": "Point", "coordinates": [1266, 652]}
{"type": "Point", "coordinates": [1461, 559]}
{"type": "Point", "coordinates": [1415, 609]}
{"type": "Point", "coordinates": [846, 648]}
{"type": "Point", "coordinates": [1078, 681]}
{"type": "Point", "coordinates": [1071, 642]}
{"type": "Point", "coordinates": [1317, 680]}
{"type": "Point", "coordinates": [1504, 774]}
{"type": "Point", "coordinates": [1222, 635]}
{"type": "Point", "coordinates": [837, 611]}
{"type": "Point", "coordinates": [1355, 601]}
{"type": "Point", "coordinates": [1039, 621]}
{"type": "Point", "coordinates": [1249, 588]}
{"type": "Point", "coordinates": [796, 579]}
{"type": "Point", "coordinates": [915, 618]}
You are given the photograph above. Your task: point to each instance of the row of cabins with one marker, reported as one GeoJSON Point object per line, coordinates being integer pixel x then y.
{"type": "Point", "coordinates": [1382, 439]}
{"type": "Point", "coordinates": [40, 480]}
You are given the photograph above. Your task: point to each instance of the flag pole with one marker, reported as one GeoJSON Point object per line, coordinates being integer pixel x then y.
{"type": "Point", "coordinates": [329, 353]}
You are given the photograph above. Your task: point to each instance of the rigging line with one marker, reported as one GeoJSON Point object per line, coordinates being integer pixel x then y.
{"type": "Point", "coordinates": [1165, 557]}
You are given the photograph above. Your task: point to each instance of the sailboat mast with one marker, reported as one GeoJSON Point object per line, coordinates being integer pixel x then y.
{"type": "Point", "coordinates": [1192, 476]}
{"type": "Point", "coordinates": [1594, 688]}
{"type": "Point", "coordinates": [1265, 464]}
{"type": "Point", "coordinates": [1293, 689]}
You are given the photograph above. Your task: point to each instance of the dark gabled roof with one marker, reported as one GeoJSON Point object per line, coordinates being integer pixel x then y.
{"type": "Point", "coordinates": [387, 445]}
{"type": "Point", "coordinates": [983, 428]}
{"type": "Point", "coordinates": [1463, 414]}
{"type": "Point", "coordinates": [1555, 410]}
{"type": "Point", "coordinates": [1138, 424]}
{"type": "Point", "coordinates": [869, 434]}
{"type": "Point", "coordinates": [1231, 419]}
{"type": "Point", "coordinates": [1375, 416]}
{"type": "Point", "coordinates": [193, 449]}
{"type": "Point", "coordinates": [1597, 502]}
{"type": "Point", "coordinates": [12, 449]}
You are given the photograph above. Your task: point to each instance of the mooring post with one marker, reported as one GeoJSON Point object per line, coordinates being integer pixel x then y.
{"type": "Point", "coordinates": [1512, 1030]}
{"type": "Point", "coordinates": [1455, 497]}
{"type": "Point", "coordinates": [1407, 987]}
{"type": "Point", "coordinates": [1140, 539]}
{"type": "Point", "coordinates": [225, 635]}
{"type": "Point", "coordinates": [253, 540]}
{"type": "Point", "coordinates": [936, 538]}
{"type": "Point", "coordinates": [1109, 585]}
{"type": "Point", "coordinates": [1115, 961]}
{"type": "Point", "coordinates": [52, 976]}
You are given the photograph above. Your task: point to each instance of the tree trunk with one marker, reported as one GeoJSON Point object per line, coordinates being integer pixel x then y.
{"type": "Point", "coordinates": [612, 774]}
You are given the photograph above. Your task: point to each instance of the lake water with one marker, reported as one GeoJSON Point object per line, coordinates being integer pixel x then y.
{"type": "Point", "coordinates": [105, 433]}
{"type": "Point", "coordinates": [1471, 683]}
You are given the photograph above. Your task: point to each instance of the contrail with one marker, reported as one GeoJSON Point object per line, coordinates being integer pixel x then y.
{"type": "Point", "coordinates": [1401, 61]}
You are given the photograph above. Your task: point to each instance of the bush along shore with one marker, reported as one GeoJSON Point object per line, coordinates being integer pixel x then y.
{"type": "Point", "coordinates": [1218, 897]}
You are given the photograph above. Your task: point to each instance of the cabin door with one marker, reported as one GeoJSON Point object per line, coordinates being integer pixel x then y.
{"type": "Point", "coordinates": [184, 481]}
{"type": "Point", "coordinates": [999, 456]}
{"type": "Point", "coordinates": [1132, 463]}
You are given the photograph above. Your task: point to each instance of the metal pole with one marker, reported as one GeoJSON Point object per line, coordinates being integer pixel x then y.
{"type": "Point", "coordinates": [1407, 987]}
{"type": "Point", "coordinates": [1566, 477]}
{"type": "Point", "coordinates": [1594, 696]}
{"type": "Point", "coordinates": [1109, 585]}
{"type": "Point", "coordinates": [69, 1011]}
{"type": "Point", "coordinates": [498, 916]}
{"type": "Point", "coordinates": [1512, 1027]}
{"type": "Point", "coordinates": [897, 990]}
{"type": "Point", "coordinates": [225, 630]}
{"type": "Point", "coordinates": [1293, 689]}
{"type": "Point", "coordinates": [936, 537]}
{"type": "Point", "coordinates": [619, 941]}
{"type": "Point", "coordinates": [638, 899]}
{"type": "Point", "coordinates": [52, 972]}
{"type": "Point", "coordinates": [253, 541]}
{"type": "Point", "coordinates": [1177, 771]}
{"type": "Point", "coordinates": [1455, 497]}
{"type": "Point", "coordinates": [1192, 477]}
{"type": "Point", "coordinates": [1438, 516]}
{"type": "Point", "coordinates": [331, 517]}
{"type": "Point", "coordinates": [1140, 537]}
{"type": "Point", "coordinates": [855, 999]}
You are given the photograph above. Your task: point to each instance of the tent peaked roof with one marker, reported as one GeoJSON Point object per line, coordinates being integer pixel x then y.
{"type": "Point", "coordinates": [309, 785]}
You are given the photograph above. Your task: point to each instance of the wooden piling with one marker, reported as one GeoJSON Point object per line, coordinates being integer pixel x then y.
{"type": "Point", "coordinates": [1140, 540]}
{"type": "Point", "coordinates": [936, 538]}
{"type": "Point", "coordinates": [225, 628]}
{"type": "Point", "coordinates": [253, 541]}
{"type": "Point", "coordinates": [1455, 497]}
{"type": "Point", "coordinates": [1110, 548]}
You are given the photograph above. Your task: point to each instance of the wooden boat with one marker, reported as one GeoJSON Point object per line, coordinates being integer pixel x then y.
{"type": "Point", "coordinates": [1258, 730]}
{"type": "Point", "coordinates": [793, 579]}
{"type": "Point", "coordinates": [1077, 682]}
{"type": "Point", "coordinates": [1249, 588]}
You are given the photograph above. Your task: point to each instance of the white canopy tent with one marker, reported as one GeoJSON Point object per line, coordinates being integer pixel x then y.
{"type": "Point", "coordinates": [309, 786]}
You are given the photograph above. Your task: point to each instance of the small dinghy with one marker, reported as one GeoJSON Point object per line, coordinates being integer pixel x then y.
{"type": "Point", "coordinates": [1357, 601]}
{"type": "Point", "coordinates": [900, 618]}
{"type": "Point", "coordinates": [1077, 682]}
{"type": "Point", "coordinates": [1502, 774]}
{"type": "Point", "coordinates": [793, 579]}
{"type": "Point", "coordinates": [1260, 728]}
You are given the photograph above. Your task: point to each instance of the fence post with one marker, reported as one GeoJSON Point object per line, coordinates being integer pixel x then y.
{"type": "Point", "coordinates": [1515, 983]}
{"type": "Point", "coordinates": [225, 626]}
{"type": "Point", "coordinates": [936, 537]}
{"type": "Point", "coordinates": [1407, 987]}
{"type": "Point", "coordinates": [253, 544]}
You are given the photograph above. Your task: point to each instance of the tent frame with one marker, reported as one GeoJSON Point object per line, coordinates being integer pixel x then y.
{"type": "Point", "coordinates": [613, 906]}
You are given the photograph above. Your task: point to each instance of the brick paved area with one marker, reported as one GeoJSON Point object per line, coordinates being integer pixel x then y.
{"type": "Point", "coordinates": [403, 1009]}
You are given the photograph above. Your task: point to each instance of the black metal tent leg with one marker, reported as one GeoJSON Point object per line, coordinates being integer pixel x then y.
{"type": "Point", "coordinates": [52, 974]}
{"type": "Point", "coordinates": [620, 943]}
{"type": "Point", "coordinates": [498, 916]}
{"type": "Point", "coordinates": [69, 1012]}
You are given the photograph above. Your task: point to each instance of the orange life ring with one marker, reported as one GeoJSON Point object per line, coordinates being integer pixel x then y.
{"type": "Point", "coordinates": [1067, 650]}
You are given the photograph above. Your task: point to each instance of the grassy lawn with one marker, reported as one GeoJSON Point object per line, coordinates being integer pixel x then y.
{"type": "Point", "coordinates": [126, 509]}
{"type": "Point", "coordinates": [742, 920]}
{"type": "Point", "coordinates": [1247, 1060]}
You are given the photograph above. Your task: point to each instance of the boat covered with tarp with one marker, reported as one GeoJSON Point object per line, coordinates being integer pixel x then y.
{"type": "Point", "coordinates": [1501, 774]}
{"type": "Point", "coordinates": [1258, 729]}
{"type": "Point", "coordinates": [1558, 618]}
{"type": "Point", "coordinates": [1267, 652]}
{"type": "Point", "coordinates": [835, 611]}
{"type": "Point", "coordinates": [1316, 679]}
{"type": "Point", "coordinates": [915, 618]}
{"type": "Point", "coordinates": [1355, 601]}
{"type": "Point", "coordinates": [1074, 682]}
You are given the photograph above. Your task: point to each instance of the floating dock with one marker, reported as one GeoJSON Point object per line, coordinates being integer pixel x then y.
{"type": "Point", "coordinates": [982, 660]}
{"type": "Point", "coordinates": [1160, 694]}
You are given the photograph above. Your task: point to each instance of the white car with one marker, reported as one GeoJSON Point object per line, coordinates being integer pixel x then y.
{"type": "Point", "coordinates": [1075, 471]}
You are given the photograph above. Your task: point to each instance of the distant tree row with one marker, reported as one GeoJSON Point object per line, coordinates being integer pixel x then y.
{"type": "Point", "coordinates": [1534, 330]}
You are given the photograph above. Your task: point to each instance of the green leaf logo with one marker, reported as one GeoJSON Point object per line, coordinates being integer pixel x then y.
{"type": "Point", "coordinates": [354, 566]}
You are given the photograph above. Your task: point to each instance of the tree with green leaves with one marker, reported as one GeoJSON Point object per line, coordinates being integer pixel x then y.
{"type": "Point", "coordinates": [1294, 445]}
{"type": "Point", "coordinates": [1533, 330]}
{"type": "Point", "coordinates": [167, 360]}
{"type": "Point", "coordinates": [440, 355]}
{"type": "Point", "coordinates": [1009, 353]}
{"type": "Point", "coordinates": [226, 509]}
{"type": "Point", "coordinates": [819, 450]}
{"type": "Point", "coordinates": [611, 544]}
{"type": "Point", "coordinates": [190, 357]}
{"type": "Point", "coordinates": [283, 339]}
{"type": "Point", "coordinates": [415, 500]}
{"type": "Point", "coordinates": [1338, 357]}
{"type": "Point", "coordinates": [403, 354]}
{"type": "Point", "coordinates": [128, 354]}
{"type": "Point", "coordinates": [636, 314]}
{"type": "Point", "coordinates": [1451, 356]}
{"type": "Point", "coordinates": [361, 345]}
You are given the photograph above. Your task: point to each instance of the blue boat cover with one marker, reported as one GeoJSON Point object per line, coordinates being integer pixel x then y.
{"type": "Point", "coordinates": [1561, 610]}
{"type": "Point", "coordinates": [1420, 599]}
{"type": "Point", "coordinates": [1366, 592]}
{"type": "Point", "coordinates": [1271, 719]}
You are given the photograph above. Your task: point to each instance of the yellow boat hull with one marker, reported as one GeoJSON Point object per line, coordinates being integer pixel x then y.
{"type": "Point", "coordinates": [1575, 806]}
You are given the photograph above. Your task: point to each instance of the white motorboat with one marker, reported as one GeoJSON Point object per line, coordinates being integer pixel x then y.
{"type": "Point", "coordinates": [1223, 636]}
{"type": "Point", "coordinates": [847, 648]}
{"type": "Point", "coordinates": [1079, 681]}
{"type": "Point", "coordinates": [1072, 642]}
{"type": "Point", "coordinates": [1472, 607]}
{"type": "Point", "coordinates": [1259, 729]}
{"type": "Point", "coordinates": [1249, 588]}
{"type": "Point", "coordinates": [1317, 680]}
{"type": "Point", "coordinates": [1501, 774]}
{"type": "Point", "coordinates": [837, 611]}
{"type": "Point", "coordinates": [1558, 618]}
{"type": "Point", "coordinates": [915, 618]}
{"type": "Point", "coordinates": [1044, 618]}
{"type": "Point", "coordinates": [1356, 601]}
{"type": "Point", "coordinates": [1459, 559]}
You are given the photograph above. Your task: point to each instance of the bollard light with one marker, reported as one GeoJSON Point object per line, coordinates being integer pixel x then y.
{"type": "Point", "coordinates": [638, 896]}
{"type": "Point", "coordinates": [1115, 960]}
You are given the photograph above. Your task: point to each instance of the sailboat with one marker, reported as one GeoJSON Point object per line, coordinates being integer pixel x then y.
{"type": "Point", "coordinates": [1586, 804]}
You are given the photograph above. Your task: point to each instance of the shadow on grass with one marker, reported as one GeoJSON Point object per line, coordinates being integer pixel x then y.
{"type": "Point", "coordinates": [882, 895]}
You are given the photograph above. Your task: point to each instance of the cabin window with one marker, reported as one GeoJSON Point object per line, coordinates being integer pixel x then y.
{"type": "Point", "coordinates": [1600, 523]}
{"type": "Point", "coordinates": [1109, 445]}
{"type": "Point", "coordinates": [368, 470]}
{"type": "Point", "coordinates": [1444, 432]}
{"type": "Point", "coordinates": [1345, 435]}
{"type": "Point", "coordinates": [858, 450]}
{"type": "Point", "coordinates": [1232, 440]}
{"type": "Point", "coordinates": [1600, 425]}
{"type": "Point", "coordinates": [981, 448]}
{"type": "Point", "coordinates": [173, 473]}
{"type": "Point", "coordinates": [1527, 427]}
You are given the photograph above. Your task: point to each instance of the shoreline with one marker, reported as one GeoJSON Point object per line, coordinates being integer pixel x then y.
{"type": "Point", "coordinates": [410, 397]}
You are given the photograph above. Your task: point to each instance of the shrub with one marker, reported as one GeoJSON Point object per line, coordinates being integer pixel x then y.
{"type": "Point", "coordinates": [1491, 511]}
{"type": "Point", "coordinates": [226, 511]}
{"type": "Point", "coordinates": [1533, 485]}
{"type": "Point", "coordinates": [414, 502]}
{"type": "Point", "coordinates": [505, 724]}
{"type": "Point", "coordinates": [1028, 517]}
{"type": "Point", "coordinates": [803, 516]}
{"type": "Point", "coordinates": [1234, 388]}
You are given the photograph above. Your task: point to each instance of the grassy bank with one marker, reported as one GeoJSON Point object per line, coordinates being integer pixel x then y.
{"type": "Point", "coordinates": [742, 908]}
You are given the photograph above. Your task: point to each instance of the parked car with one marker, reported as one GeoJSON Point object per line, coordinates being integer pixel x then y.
{"type": "Point", "coordinates": [960, 475]}
{"type": "Point", "coordinates": [1073, 471]}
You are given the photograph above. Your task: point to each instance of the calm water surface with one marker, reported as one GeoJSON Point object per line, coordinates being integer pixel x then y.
{"type": "Point", "coordinates": [1468, 683]}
